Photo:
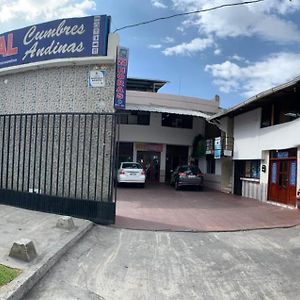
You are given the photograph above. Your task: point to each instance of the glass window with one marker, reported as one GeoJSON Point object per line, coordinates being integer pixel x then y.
{"type": "Point", "coordinates": [135, 118]}
{"type": "Point", "coordinates": [252, 169]}
{"type": "Point", "coordinates": [177, 121]}
{"type": "Point", "coordinates": [280, 111]}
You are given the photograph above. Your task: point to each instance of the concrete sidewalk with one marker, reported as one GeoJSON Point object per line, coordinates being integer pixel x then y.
{"type": "Point", "coordinates": [50, 242]}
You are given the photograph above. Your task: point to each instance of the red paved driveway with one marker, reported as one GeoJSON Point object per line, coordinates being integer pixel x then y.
{"type": "Point", "coordinates": [160, 207]}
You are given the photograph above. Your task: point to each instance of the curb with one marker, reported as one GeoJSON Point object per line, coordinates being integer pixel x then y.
{"type": "Point", "coordinates": [18, 288]}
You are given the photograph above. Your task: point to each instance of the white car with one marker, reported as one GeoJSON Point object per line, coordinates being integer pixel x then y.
{"type": "Point", "coordinates": [131, 172]}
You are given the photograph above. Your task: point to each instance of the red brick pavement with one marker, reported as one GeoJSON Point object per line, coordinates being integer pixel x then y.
{"type": "Point", "coordinates": [160, 207]}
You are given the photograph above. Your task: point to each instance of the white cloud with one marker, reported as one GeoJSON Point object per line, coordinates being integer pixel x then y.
{"type": "Point", "coordinates": [256, 77]}
{"type": "Point", "coordinates": [196, 45]}
{"type": "Point", "coordinates": [239, 58]}
{"type": "Point", "coordinates": [267, 20]}
{"type": "Point", "coordinates": [217, 51]}
{"type": "Point", "coordinates": [168, 40]}
{"type": "Point", "coordinates": [17, 12]}
{"type": "Point", "coordinates": [158, 4]}
{"type": "Point", "coordinates": [155, 46]}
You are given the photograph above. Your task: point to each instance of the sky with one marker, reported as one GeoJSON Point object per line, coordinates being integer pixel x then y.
{"type": "Point", "coordinates": [233, 52]}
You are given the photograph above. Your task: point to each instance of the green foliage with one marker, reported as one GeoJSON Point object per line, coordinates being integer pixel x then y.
{"type": "Point", "coordinates": [199, 147]}
{"type": "Point", "coordinates": [7, 274]}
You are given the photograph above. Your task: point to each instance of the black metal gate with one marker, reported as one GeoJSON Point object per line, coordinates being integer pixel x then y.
{"type": "Point", "coordinates": [61, 163]}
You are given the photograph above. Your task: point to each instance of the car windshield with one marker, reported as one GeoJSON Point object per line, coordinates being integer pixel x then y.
{"type": "Point", "coordinates": [131, 166]}
{"type": "Point", "coordinates": [189, 169]}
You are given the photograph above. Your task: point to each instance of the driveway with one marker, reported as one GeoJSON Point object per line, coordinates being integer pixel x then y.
{"type": "Point", "coordinates": [114, 264]}
{"type": "Point", "coordinates": [160, 207]}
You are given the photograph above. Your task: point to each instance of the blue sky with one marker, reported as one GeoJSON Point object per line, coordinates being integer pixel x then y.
{"type": "Point", "coordinates": [233, 52]}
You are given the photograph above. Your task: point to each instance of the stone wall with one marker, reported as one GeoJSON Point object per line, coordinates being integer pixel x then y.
{"type": "Point", "coordinates": [57, 89]}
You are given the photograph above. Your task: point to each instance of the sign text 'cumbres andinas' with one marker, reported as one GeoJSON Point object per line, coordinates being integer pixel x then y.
{"type": "Point", "coordinates": [65, 38]}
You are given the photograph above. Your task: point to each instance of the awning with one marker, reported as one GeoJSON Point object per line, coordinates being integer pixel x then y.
{"type": "Point", "coordinates": [163, 109]}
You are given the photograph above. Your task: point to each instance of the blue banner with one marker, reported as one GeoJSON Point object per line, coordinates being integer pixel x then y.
{"type": "Point", "coordinates": [121, 78]}
{"type": "Point", "coordinates": [65, 38]}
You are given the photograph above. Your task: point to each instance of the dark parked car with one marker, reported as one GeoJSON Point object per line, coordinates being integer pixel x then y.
{"type": "Point", "coordinates": [187, 176]}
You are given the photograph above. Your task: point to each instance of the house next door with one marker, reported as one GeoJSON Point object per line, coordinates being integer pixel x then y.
{"type": "Point", "coordinates": [282, 178]}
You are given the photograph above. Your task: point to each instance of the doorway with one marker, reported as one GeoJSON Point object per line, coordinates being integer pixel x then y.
{"type": "Point", "coordinates": [176, 155]}
{"type": "Point", "coordinates": [239, 170]}
{"type": "Point", "coordinates": [282, 179]}
{"type": "Point", "coordinates": [150, 161]}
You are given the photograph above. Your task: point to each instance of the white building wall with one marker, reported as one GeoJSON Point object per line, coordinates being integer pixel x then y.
{"type": "Point", "coordinates": [155, 133]}
{"type": "Point", "coordinates": [253, 142]}
{"type": "Point", "coordinates": [250, 140]}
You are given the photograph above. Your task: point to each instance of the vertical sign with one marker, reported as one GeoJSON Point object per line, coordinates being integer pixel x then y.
{"type": "Point", "coordinates": [121, 78]}
{"type": "Point", "coordinates": [218, 148]}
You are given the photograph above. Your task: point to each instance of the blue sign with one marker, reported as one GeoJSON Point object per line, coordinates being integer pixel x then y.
{"type": "Point", "coordinates": [65, 38]}
{"type": "Point", "coordinates": [283, 154]}
{"type": "Point", "coordinates": [121, 78]}
{"type": "Point", "coordinates": [218, 148]}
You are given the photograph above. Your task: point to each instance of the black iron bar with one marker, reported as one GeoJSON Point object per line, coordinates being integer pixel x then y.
{"type": "Point", "coordinates": [29, 153]}
{"type": "Point", "coordinates": [103, 156]}
{"type": "Point", "coordinates": [83, 157]}
{"type": "Point", "coordinates": [13, 154]}
{"type": "Point", "coordinates": [34, 154]}
{"type": "Point", "coordinates": [90, 154]}
{"type": "Point", "coordinates": [65, 151]}
{"type": "Point", "coordinates": [19, 150]}
{"type": "Point", "coordinates": [46, 154]}
{"type": "Point", "coordinates": [41, 151]}
{"type": "Point", "coordinates": [77, 155]}
{"type": "Point", "coordinates": [7, 154]}
{"type": "Point", "coordinates": [52, 152]}
{"type": "Point", "coordinates": [97, 154]}
{"type": "Point", "coordinates": [24, 153]}
{"type": "Point", "coordinates": [71, 154]}
{"type": "Point", "coordinates": [58, 155]}
{"type": "Point", "coordinates": [2, 148]}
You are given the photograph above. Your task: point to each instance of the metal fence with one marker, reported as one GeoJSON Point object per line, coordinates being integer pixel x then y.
{"type": "Point", "coordinates": [59, 162]}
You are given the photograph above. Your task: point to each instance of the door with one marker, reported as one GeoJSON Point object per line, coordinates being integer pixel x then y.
{"type": "Point", "coordinates": [239, 167]}
{"type": "Point", "coordinates": [151, 163]}
{"type": "Point", "coordinates": [282, 181]}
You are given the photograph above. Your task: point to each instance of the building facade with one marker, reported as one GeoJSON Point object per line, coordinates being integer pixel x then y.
{"type": "Point", "coordinates": [159, 129]}
{"type": "Point", "coordinates": [266, 153]}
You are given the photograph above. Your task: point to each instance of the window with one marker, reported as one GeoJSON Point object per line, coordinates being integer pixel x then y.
{"type": "Point", "coordinates": [210, 164]}
{"type": "Point", "coordinates": [135, 118]}
{"type": "Point", "coordinates": [125, 152]}
{"type": "Point", "coordinates": [252, 169]}
{"type": "Point", "coordinates": [280, 111]}
{"type": "Point", "coordinates": [177, 121]}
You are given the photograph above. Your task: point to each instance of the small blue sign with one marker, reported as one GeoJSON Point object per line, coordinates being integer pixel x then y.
{"type": "Point", "coordinates": [283, 154]}
{"type": "Point", "coordinates": [65, 38]}
{"type": "Point", "coordinates": [121, 78]}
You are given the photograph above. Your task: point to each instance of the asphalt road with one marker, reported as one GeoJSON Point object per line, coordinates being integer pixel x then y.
{"type": "Point", "coordinates": [110, 263]}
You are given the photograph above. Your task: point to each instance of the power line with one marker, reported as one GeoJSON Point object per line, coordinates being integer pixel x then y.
{"type": "Point", "coordinates": [187, 13]}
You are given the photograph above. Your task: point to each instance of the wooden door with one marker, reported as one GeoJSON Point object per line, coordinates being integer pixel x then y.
{"type": "Point", "coordinates": [282, 181]}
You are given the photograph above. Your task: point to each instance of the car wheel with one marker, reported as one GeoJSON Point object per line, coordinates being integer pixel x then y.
{"type": "Point", "coordinates": [142, 185]}
{"type": "Point", "coordinates": [176, 186]}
